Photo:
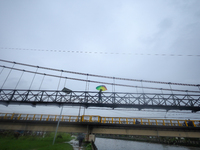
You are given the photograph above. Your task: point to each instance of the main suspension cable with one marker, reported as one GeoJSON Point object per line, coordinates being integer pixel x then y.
{"type": "Point", "coordinates": [124, 85]}
{"type": "Point", "coordinates": [101, 76]}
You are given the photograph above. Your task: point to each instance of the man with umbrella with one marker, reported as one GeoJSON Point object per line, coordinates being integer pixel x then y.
{"type": "Point", "coordinates": [101, 88]}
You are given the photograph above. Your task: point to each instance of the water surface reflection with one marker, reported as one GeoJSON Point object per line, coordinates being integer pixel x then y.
{"type": "Point", "coordinates": [115, 144]}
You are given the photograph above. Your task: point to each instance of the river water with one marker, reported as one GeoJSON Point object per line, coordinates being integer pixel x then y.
{"type": "Point", "coordinates": [116, 144]}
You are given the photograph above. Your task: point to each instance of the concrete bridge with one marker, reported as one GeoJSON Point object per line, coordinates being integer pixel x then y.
{"type": "Point", "coordinates": [101, 125]}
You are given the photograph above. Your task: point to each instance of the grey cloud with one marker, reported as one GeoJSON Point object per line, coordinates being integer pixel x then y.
{"type": "Point", "coordinates": [165, 24]}
{"type": "Point", "coordinates": [188, 38]}
{"type": "Point", "coordinates": [143, 27]}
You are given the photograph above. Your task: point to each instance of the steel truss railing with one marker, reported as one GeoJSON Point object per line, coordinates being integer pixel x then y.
{"type": "Point", "coordinates": [106, 99]}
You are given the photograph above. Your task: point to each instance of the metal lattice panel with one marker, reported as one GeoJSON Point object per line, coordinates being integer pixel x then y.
{"type": "Point", "coordinates": [107, 99]}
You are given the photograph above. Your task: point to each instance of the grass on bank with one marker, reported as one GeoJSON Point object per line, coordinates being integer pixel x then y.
{"type": "Point", "coordinates": [33, 142]}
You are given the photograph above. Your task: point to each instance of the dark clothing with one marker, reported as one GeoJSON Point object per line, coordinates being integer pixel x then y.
{"type": "Point", "coordinates": [137, 122]}
{"type": "Point", "coordinates": [190, 124]}
{"type": "Point", "coordinates": [100, 98]}
{"type": "Point", "coordinates": [80, 139]}
{"type": "Point", "coordinates": [80, 142]}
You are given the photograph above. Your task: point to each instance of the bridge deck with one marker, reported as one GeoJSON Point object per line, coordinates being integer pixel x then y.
{"type": "Point", "coordinates": [101, 120]}
{"type": "Point", "coordinates": [106, 99]}
{"type": "Point", "coordinates": [101, 125]}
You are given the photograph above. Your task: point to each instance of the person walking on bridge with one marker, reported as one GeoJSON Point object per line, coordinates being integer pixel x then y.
{"type": "Point", "coordinates": [101, 88]}
{"type": "Point", "coordinates": [100, 98]}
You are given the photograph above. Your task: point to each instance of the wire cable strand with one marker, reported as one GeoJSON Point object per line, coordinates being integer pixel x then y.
{"type": "Point", "coordinates": [42, 82]}
{"type": "Point", "coordinates": [1, 70]}
{"type": "Point", "coordinates": [11, 68]}
{"type": "Point", "coordinates": [101, 76]}
{"type": "Point", "coordinates": [19, 80]}
{"type": "Point", "coordinates": [102, 53]}
{"type": "Point", "coordinates": [124, 85]}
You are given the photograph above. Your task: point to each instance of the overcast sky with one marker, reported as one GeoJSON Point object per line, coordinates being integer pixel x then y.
{"type": "Point", "coordinates": [131, 39]}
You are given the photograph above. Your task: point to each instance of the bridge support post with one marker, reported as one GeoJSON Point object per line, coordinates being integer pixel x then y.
{"type": "Point", "coordinates": [113, 98]}
{"type": "Point", "coordinates": [89, 136]}
{"type": "Point", "coordinates": [26, 97]}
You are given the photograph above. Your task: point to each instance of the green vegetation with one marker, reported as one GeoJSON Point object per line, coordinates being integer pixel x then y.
{"type": "Point", "coordinates": [13, 141]}
{"type": "Point", "coordinates": [89, 146]}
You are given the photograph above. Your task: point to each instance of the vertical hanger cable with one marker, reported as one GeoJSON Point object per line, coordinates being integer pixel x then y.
{"type": "Point", "coordinates": [114, 84]}
{"type": "Point", "coordinates": [59, 80]}
{"type": "Point", "coordinates": [33, 77]}
{"type": "Point", "coordinates": [142, 87]}
{"type": "Point", "coordinates": [2, 70]}
{"type": "Point", "coordinates": [136, 90]}
{"type": "Point", "coordinates": [170, 87]}
{"type": "Point", "coordinates": [7, 75]}
{"type": "Point", "coordinates": [65, 81]}
{"type": "Point", "coordinates": [86, 83]}
{"type": "Point", "coordinates": [86, 89]}
{"type": "Point", "coordinates": [19, 79]}
{"type": "Point", "coordinates": [42, 81]}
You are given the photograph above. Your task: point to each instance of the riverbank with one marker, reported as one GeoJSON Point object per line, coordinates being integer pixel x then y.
{"type": "Point", "coordinates": [34, 141]}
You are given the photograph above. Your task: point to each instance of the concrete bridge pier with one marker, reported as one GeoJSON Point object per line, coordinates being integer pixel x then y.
{"type": "Point", "coordinates": [89, 136]}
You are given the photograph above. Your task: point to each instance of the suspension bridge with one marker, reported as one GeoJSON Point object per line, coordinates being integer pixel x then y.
{"type": "Point", "coordinates": [159, 97]}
